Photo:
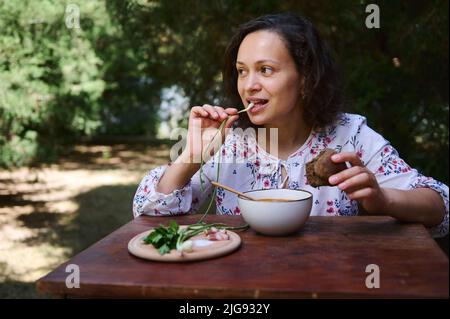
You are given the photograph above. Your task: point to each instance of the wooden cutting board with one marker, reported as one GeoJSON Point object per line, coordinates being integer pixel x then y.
{"type": "Point", "coordinates": [202, 248]}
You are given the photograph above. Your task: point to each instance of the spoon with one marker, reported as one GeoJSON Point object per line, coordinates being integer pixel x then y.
{"type": "Point", "coordinates": [232, 190]}
{"type": "Point", "coordinates": [249, 197]}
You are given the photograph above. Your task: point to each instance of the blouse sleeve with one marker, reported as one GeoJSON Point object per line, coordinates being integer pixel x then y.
{"type": "Point", "coordinates": [186, 200]}
{"type": "Point", "coordinates": [393, 172]}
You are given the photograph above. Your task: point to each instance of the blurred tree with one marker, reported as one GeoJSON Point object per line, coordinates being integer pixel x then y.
{"type": "Point", "coordinates": [107, 77]}
{"type": "Point", "coordinates": [397, 76]}
{"type": "Point", "coordinates": [50, 78]}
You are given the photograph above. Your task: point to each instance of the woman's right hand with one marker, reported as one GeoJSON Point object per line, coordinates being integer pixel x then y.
{"type": "Point", "coordinates": [204, 122]}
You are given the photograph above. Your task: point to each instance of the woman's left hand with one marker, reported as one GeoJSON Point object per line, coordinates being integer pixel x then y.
{"type": "Point", "coordinates": [359, 183]}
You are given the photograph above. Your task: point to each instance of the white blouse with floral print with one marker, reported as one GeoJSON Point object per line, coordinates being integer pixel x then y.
{"type": "Point", "coordinates": [261, 170]}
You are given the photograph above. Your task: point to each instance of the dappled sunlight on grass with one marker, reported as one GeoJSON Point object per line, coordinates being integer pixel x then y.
{"type": "Point", "coordinates": [50, 213]}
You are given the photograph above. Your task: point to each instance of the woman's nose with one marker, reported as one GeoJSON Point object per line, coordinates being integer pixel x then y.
{"type": "Point", "coordinates": [253, 84]}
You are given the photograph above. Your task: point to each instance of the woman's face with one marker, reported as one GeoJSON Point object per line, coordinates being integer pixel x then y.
{"type": "Point", "coordinates": [267, 76]}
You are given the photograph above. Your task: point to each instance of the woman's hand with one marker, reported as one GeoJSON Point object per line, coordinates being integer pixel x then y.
{"type": "Point", "coordinates": [204, 121]}
{"type": "Point", "coordinates": [359, 183]}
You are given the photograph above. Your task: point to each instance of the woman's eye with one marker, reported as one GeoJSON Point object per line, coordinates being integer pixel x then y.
{"type": "Point", "coordinates": [241, 72]}
{"type": "Point", "coordinates": [266, 70]}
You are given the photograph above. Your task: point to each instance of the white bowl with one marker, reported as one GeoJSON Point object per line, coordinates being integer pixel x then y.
{"type": "Point", "coordinates": [276, 218]}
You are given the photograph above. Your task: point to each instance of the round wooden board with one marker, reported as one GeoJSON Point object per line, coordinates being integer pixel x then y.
{"type": "Point", "coordinates": [202, 248]}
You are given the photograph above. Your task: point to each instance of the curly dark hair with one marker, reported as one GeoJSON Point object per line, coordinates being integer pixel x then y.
{"type": "Point", "coordinates": [323, 100]}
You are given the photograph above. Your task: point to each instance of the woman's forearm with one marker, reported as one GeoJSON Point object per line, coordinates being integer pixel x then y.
{"type": "Point", "coordinates": [421, 205]}
{"type": "Point", "coordinates": [177, 175]}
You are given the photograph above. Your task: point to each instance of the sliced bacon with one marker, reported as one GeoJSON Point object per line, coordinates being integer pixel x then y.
{"type": "Point", "coordinates": [215, 234]}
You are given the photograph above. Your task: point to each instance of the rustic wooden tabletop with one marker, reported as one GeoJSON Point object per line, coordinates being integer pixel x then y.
{"type": "Point", "coordinates": [328, 258]}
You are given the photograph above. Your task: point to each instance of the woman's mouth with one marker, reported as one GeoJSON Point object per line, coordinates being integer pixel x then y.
{"type": "Point", "coordinates": [258, 105]}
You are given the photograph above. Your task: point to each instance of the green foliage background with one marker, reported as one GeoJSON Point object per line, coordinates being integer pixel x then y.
{"type": "Point", "coordinates": [58, 85]}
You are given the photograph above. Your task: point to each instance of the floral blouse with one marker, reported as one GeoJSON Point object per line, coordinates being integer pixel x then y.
{"type": "Point", "coordinates": [246, 166]}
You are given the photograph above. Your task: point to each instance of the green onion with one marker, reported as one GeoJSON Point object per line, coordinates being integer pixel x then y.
{"type": "Point", "coordinates": [166, 238]}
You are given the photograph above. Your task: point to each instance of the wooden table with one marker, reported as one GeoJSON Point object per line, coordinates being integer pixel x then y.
{"type": "Point", "coordinates": [327, 258]}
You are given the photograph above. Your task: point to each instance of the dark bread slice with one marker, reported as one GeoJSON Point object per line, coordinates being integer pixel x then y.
{"type": "Point", "coordinates": [322, 167]}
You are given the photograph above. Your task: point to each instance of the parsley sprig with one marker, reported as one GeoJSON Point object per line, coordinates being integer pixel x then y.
{"type": "Point", "coordinates": [166, 238]}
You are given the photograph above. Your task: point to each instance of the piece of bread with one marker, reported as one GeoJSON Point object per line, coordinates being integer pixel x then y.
{"type": "Point", "coordinates": [322, 167]}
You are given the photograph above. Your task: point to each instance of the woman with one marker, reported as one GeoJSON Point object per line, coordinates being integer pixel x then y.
{"type": "Point", "coordinates": [280, 64]}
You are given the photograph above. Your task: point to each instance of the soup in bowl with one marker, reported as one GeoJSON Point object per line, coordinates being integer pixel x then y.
{"type": "Point", "coordinates": [276, 218]}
